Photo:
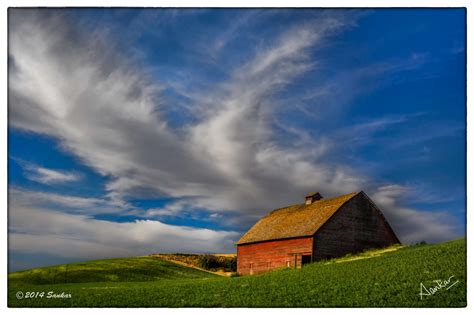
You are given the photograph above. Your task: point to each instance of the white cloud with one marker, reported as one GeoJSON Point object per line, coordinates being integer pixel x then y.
{"type": "Point", "coordinates": [44, 231]}
{"type": "Point", "coordinates": [413, 225]}
{"type": "Point", "coordinates": [108, 114]}
{"type": "Point", "coordinates": [87, 205]}
{"type": "Point", "coordinates": [171, 209]}
{"type": "Point", "coordinates": [46, 175]}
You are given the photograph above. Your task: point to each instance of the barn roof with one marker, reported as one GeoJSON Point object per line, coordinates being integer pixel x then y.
{"type": "Point", "coordinates": [294, 221]}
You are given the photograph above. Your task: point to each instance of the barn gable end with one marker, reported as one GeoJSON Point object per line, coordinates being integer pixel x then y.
{"type": "Point", "coordinates": [358, 225]}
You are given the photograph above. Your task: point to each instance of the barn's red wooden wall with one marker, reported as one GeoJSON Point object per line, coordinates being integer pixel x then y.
{"type": "Point", "coordinates": [260, 257]}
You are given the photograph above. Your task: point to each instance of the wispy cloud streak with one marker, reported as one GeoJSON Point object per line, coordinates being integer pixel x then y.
{"type": "Point", "coordinates": [46, 175]}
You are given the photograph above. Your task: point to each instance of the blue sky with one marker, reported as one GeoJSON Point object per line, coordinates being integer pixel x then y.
{"type": "Point", "coordinates": [133, 131]}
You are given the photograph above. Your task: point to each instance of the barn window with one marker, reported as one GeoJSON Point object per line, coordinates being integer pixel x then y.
{"type": "Point", "coordinates": [288, 263]}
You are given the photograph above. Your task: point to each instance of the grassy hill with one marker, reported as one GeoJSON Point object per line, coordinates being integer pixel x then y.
{"type": "Point", "coordinates": [391, 279]}
{"type": "Point", "coordinates": [107, 270]}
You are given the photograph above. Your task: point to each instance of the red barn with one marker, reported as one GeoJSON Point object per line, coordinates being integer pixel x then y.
{"type": "Point", "coordinates": [318, 229]}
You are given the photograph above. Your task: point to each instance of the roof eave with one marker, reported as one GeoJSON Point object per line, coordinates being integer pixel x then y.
{"type": "Point", "coordinates": [276, 239]}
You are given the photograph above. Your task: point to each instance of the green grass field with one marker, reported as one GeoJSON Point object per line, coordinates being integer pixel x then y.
{"type": "Point", "coordinates": [392, 279]}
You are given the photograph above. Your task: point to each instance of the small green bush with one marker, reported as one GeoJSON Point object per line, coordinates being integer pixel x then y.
{"type": "Point", "coordinates": [208, 262]}
{"type": "Point", "coordinates": [212, 262]}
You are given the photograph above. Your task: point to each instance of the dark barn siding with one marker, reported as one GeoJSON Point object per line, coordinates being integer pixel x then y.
{"type": "Point", "coordinates": [355, 227]}
{"type": "Point", "coordinates": [264, 256]}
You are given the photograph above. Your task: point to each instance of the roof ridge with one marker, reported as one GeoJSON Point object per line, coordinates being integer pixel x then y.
{"type": "Point", "coordinates": [282, 208]}
{"type": "Point", "coordinates": [315, 202]}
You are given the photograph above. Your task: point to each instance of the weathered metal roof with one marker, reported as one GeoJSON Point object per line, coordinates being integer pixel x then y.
{"type": "Point", "coordinates": [294, 221]}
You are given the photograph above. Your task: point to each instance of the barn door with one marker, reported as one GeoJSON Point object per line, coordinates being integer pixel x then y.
{"type": "Point", "coordinates": [305, 259]}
